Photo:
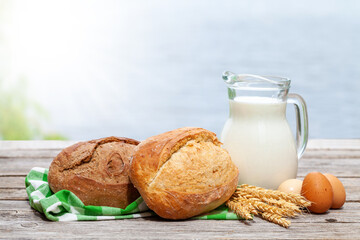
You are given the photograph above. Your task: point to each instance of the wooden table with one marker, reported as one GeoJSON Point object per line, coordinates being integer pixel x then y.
{"type": "Point", "coordinates": [19, 220]}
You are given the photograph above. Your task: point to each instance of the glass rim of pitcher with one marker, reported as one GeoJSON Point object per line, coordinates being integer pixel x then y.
{"type": "Point", "coordinates": [256, 82]}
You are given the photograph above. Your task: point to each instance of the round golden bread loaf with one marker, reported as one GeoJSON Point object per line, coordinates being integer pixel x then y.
{"type": "Point", "coordinates": [96, 171]}
{"type": "Point", "coordinates": [183, 173]}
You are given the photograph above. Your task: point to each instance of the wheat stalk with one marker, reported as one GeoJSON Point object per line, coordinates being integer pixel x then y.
{"type": "Point", "coordinates": [262, 193]}
{"type": "Point", "coordinates": [271, 205]}
{"type": "Point", "coordinates": [283, 204]}
{"type": "Point", "coordinates": [239, 210]}
{"type": "Point", "coordinates": [264, 207]}
{"type": "Point", "coordinates": [276, 219]}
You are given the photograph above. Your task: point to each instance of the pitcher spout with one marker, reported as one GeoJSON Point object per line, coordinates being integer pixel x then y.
{"type": "Point", "coordinates": [228, 76]}
{"type": "Point", "coordinates": [256, 85]}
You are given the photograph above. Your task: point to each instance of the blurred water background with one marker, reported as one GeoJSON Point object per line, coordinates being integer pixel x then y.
{"type": "Point", "coordinates": [139, 68]}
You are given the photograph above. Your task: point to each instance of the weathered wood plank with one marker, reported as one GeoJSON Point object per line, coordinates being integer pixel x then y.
{"type": "Point", "coordinates": [350, 212]}
{"type": "Point", "coordinates": [341, 168]}
{"type": "Point", "coordinates": [11, 189]}
{"type": "Point", "coordinates": [34, 144]}
{"type": "Point", "coordinates": [12, 182]}
{"type": "Point", "coordinates": [330, 226]}
{"type": "Point", "coordinates": [309, 153]}
{"type": "Point", "coordinates": [15, 205]}
{"type": "Point", "coordinates": [332, 144]}
{"type": "Point", "coordinates": [332, 154]}
{"type": "Point", "coordinates": [351, 184]}
{"type": "Point", "coordinates": [13, 194]}
{"type": "Point", "coordinates": [21, 166]}
{"type": "Point", "coordinates": [200, 230]}
{"type": "Point", "coordinates": [28, 153]}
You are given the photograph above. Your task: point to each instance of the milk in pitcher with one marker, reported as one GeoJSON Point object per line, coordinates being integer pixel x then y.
{"type": "Point", "coordinates": [259, 140]}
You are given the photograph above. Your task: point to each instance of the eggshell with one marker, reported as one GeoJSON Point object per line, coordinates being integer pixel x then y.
{"type": "Point", "coordinates": [338, 189]}
{"type": "Point", "coordinates": [317, 189]}
{"type": "Point", "coordinates": [291, 186]}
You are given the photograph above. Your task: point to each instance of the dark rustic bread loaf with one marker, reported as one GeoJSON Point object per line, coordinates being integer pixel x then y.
{"type": "Point", "coordinates": [183, 173]}
{"type": "Point", "coordinates": [96, 171]}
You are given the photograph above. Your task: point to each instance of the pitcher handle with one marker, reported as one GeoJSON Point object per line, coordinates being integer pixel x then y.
{"type": "Point", "coordinates": [302, 127]}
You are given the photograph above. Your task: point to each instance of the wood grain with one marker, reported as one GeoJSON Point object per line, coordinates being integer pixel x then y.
{"type": "Point", "coordinates": [15, 189]}
{"type": "Point", "coordinates": [19, 220]}
{"type": "Point", "coordinates": [48, 144]}
{"type": "Point", "coordinates": [340, 167]}
{"type": "Point", "coordinates": [12, 182]}
{"type": "Point", "coordinates": [334, 225]}
{"type": "Point", "coordinates": [201, 229]}
{"type": "Point", "coordinates": [334, 144]}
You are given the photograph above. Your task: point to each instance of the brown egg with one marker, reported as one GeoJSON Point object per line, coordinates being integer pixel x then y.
{"type": "Point", "coordinates": [338, 189]}
{"type": "Point", "coordinates": [317, 189]}
{"type": "Point", "coordinates": [291, 186]}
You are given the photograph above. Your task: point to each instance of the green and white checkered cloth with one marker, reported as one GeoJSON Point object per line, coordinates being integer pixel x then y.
{"type": "Point", "coordinates": [66, 206]}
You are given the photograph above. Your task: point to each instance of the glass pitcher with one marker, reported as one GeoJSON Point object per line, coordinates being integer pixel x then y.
{"type": "Point", "coordinates": [257, 134]}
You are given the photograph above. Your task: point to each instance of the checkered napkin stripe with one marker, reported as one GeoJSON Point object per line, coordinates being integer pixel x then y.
{"type": "Point", "coordinates": [66, 206]}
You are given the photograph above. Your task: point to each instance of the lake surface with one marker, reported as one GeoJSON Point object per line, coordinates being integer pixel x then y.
{"type": "Point", "coordinates": [141, 68]}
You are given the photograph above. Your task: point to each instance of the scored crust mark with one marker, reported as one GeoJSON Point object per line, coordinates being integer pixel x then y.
{"type": "Point", "coordinates": [88, 153]}
{"type": "Point", "coordinates": [205, 164]}
{"type": "Point", "coordinates": [167, 162]}
{"type": "Point", "coordinates": [85, 159]}
{"type": "Point", "coordinates": [201, 136]}
{"type": "Point", "coordinates": [115, 165]}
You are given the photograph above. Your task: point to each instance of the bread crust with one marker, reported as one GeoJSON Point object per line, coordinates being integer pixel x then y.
{"type": "Point", "coordinates": [151, 154]}
{"type": "Point", "coordinates": [96, 171]}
